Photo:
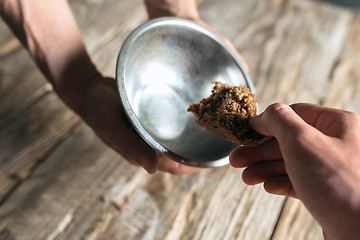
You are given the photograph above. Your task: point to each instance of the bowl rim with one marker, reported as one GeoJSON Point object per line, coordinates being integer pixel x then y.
{"type": "Point", "coordinates": [120, 80]}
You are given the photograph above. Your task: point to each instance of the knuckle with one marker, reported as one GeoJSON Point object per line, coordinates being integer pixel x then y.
{"type": "Point", "coordinates": [353, 117]}
{"type": "Point", "coordinates": [276, 111]}
{"type": "Point", "coordinates": [352, 121]}
{"type": "Point", "coordinates": [278, 108]}
{"type": "Point", "coordinates": [349, 119]}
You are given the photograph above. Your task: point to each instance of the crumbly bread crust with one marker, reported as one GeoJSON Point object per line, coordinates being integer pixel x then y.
{"type": "Point", "coordinates": [226, 113]}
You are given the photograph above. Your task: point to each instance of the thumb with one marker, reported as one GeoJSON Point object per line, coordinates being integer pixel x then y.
{"type": "Point", "coordinates": [278, 120]}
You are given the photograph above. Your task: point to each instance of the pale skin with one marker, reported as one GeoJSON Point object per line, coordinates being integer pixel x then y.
{"type": "Point", "coordinates": [313, 155]}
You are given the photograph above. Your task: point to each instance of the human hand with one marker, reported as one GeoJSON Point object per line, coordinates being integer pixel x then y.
{"type": "Point", "coordinates": [101, 109]}
{"type": "Point", "coordinates": [62, 57]}
{"type": "Point", "coordinates": [314, 156]}
{"type": "Point", "coordinates": [175, 8]}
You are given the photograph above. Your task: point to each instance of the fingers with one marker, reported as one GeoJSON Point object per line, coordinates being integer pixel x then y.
{"type": "Point", "coordinates": [304, 110]}
{"type": "Point", "coordinates": [278, 120]}
{"type": "Point", "coordinates": [154, 161]}
{"type": "Point", "coordinates": [280, 185]}
{"type": "Point", "coordinates": [257, 173]}
{"type": "Point", "coordinates": [305, 138]}
{"type": "Point", "coordinates": [149, 161]}
{"type": "Point", "coordinates": [170, 166]}
{"type": "Point", "coordinates": [283, 121]}
{"type": "Point", "coordinates": [173, 8]}
{"type": "Point", "coordinates": [325, 119]}
{"type": "Point", "coordinates": [245, 156]}
{"type": "Point", "coordinates": [274, 176]}
{"type": "Point", "coordinates": [265, 162]}
{"type": "Point", "coordinates": [314, 114]}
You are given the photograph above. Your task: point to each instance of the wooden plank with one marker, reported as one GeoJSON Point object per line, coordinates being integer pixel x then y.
{"type": "Point", "coordinates": [63, 188]}
{"type": "Point", "coordinates": [27, 139]}
{"type": "Point", "coordinates": [290, 46]}
{"type": "Point", "coordinates": [94, 194]}
{"type": "Point", "coordinates": [291, 65]}
{"type": "Point", "coordinates": [86, 191]}
{"type": "Point", "coordinates": [227, 209]}
{"type": "Point", "coordinates": [89, 193]}
{"type": "Point", "coordinates": [352, 4]}
{"type": "Point", "coordinates": [297, 223]}
{"type": "Point", "coordinates": [344, 89]}
{"type": "Point", "coordinates": [206, 210]}
{"type": "Point", "coordinates": [165, 208]}
{"type": "Point", "coordinates": [21, 84]}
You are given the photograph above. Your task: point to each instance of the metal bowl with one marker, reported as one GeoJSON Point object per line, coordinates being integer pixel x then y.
{"type": "Point", "coordinates": [165, 65]}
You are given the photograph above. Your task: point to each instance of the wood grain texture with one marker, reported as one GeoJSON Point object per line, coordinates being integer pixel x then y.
{"type": "Point", "coordinates": [290, 46]}
{"type": "Point", "coordinates": [105, 26]}
{"type": "Point", "coordinates": [69, 185]}
{"type": "Point", "coordinates": [297, 223]}
{"type": "Point", "coordinates": [29, 138]}
{"type": "Point", "coordinates": [31, 122]}
{"type": "Point", "coordinates": [18, 77]}
{"type": "Point", "coordinates": [123, 202]}
{"type": "Point", "coordinates": [62, 189]}
{"type": "Point", "coordinates": [344, 90]}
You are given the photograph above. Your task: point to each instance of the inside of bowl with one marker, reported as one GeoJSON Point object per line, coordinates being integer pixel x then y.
{"type": "Point", "coordinates": [168, 67]}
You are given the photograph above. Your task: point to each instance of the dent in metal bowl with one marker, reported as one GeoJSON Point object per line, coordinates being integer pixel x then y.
{"type": "Point", "coordinates": [165, 65]}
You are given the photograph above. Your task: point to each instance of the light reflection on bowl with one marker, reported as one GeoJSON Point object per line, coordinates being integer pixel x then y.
{"type": "Point", "coordinates": [165, 65]}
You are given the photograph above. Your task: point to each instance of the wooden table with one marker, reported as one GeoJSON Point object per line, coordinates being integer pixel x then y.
{"type": "Point", "coordinates": [59, 181]}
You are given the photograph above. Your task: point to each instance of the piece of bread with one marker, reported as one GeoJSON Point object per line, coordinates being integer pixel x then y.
{"type": "Point", "coordinates": [226, 113]}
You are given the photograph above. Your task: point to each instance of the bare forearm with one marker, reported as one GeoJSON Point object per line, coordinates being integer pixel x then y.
{"type": "Point", "coordinates": [50, 33]}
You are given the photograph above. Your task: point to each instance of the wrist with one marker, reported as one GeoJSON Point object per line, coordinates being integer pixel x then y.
{"type": "Point", "coordinates": [49, 32]}
{"type": "Point", "coordinates": [74, 84]}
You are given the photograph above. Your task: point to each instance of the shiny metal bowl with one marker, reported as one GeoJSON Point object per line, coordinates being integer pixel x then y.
{"type": "Point", "coordinates": [165, 65]}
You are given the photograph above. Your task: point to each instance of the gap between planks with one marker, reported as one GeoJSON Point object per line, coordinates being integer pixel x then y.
{"type": "Point", "coordinates": [21, 180]}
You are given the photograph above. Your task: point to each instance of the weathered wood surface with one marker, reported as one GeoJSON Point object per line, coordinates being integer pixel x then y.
{"type": "Point", "coordinates": [345, 85]}
{"type": "Point", "coordinates": [58, 181]}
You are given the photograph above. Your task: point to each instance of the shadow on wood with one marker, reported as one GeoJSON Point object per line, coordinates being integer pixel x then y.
{"type": "Point", "coordinates": [355, 4]}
